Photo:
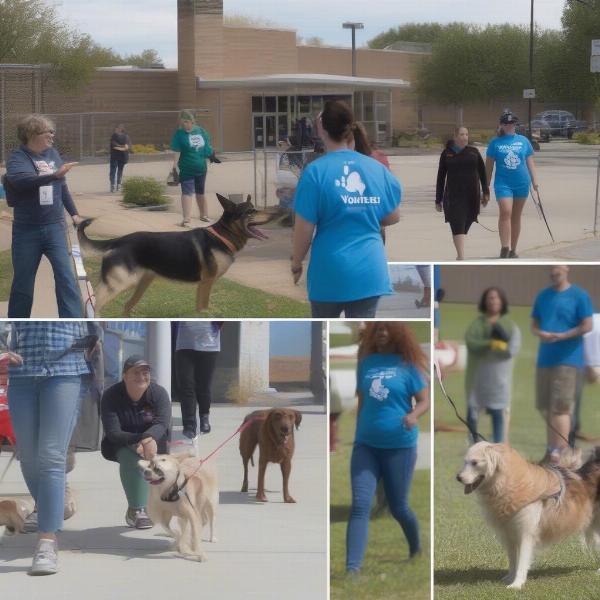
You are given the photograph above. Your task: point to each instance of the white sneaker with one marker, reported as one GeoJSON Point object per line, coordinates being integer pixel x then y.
{"type": "Point", "coordinates": [45, 559]}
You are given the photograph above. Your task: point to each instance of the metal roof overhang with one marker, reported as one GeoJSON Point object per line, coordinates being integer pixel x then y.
{"type": "Point", "coordinates": [301, 80]}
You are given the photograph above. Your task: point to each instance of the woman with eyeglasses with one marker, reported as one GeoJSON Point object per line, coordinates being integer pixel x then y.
{"type": "Point", "coordinates": [37, 189]}
{"type": "Point", "coordinates": [342, 201]}
{"type": "Point", "coordinates": [136, 416]}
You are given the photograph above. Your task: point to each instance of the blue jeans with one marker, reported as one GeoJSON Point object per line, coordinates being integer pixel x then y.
{"type": "Point", "coordinates": [29, 244]}
{"type": "Point", "coordinates": [116, 171]}
{"type": "Point", "coordinates": [367, 466]}
{"type": "Point", "coordinates": [357, 309]}
{"type": "Point", "coordinates": [44, 412]}
{"type": "Point", "coordinates": [497, 415]}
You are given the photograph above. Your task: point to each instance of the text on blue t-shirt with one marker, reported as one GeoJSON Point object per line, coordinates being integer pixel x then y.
{"type": "Point", "coordinates": [510, 153]}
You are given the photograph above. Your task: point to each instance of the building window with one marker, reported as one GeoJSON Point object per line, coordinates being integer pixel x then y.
{"type": "Point", "coordinates": [257, 104]}
{"type": "Point", "coordinates": [270, 104]}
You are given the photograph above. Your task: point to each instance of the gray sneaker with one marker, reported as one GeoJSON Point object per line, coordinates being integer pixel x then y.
{"type": "Point", "coordinates": [138, 518]}
{"type": "Point", "coordinates": [45, 559]}
{"type": "Point", "coordinates": [31, 523]}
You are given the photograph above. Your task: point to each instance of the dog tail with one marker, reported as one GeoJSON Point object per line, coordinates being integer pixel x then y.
{"type": "Point", "coordinates": [89, 244]}
{"type": "Point", "coordinates": [252, 459]}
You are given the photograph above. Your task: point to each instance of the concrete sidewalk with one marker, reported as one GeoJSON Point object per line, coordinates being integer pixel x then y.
{"type": "Point", "coordinates": [264, 551]}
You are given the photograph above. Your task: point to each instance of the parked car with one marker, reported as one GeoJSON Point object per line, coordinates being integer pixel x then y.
{"type": "Point", "coordinates": [540, 129]}
{"type": "Point", "coordinates": [562, 123]}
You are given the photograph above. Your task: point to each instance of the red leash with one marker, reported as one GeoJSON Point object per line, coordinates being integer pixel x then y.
{"type": "Point", "coordinates": [241, 428]}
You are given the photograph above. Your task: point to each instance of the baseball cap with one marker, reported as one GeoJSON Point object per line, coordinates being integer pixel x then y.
{"type": "Point", "coordinates": [135, 360]}
{"type": "Point", "coordinates": [508, 118]}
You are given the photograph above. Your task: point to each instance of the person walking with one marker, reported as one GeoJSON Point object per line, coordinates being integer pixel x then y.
{"type": "Point", "coordinates": [46, 363]}
{"type": "Point", "coordinates": [37, 189]}
{"type": "Point", "coordinates": [561, 315]}
{"type": "Point", "coordinates": [136, 416]}
{"type": "Point", "coordinates": [342, 201]}
{"type": "Point", "coordinates": [120, 146]}
{"type": "Point", "coordinates": [391, 372]}
{"type": "Point", "coordinates": [197, 348]}
{"type": "Point", "coordinates": [461, 187]}
{"type": "Point", "coordinates": [192, 147]}
{"type": "Point", "coordinates": [493, 340]}
{"type": "Point", "coordinates": [512, 155]}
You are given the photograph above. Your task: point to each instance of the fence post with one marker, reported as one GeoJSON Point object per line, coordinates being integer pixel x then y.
{"type": "Point", "coordinates": [255, 197]}
{"type": "Point", "coordinates": [265, 188]}
{"type": "Point", "coordinates": [80, 136]}
{"type": "Point", "coordinates": [92, 142]}
{"type": "Point", "coordinates": [596, 203]}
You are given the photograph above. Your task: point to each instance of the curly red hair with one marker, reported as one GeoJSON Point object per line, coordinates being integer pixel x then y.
{"type": "Point", "coordinates": [403, 339]}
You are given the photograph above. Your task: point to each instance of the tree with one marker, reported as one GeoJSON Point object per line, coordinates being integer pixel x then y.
{"type": "Point", "coordinates": [31, 32]}
{"type": "Point", "coordinates": [470, 64]}
{"type": "Point", "coordinates": [410, 32]}
{"type": "Point", "coordinates": [581, 24]}
{"type": "Point", "coordinates": [146, 59]}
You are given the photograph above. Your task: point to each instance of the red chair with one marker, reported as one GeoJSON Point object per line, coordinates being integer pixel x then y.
{"type": "Point", "coordinates": [6, 429]}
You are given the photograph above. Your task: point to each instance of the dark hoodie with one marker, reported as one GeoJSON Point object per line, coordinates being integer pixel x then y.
{"type": "Point", "coordinates": [27, 172]}
{"type": "Point", "coordinates": [461, 177]}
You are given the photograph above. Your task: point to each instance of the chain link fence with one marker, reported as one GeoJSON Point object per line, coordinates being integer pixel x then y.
{"type": "Point", "coordinates": [276, 175]}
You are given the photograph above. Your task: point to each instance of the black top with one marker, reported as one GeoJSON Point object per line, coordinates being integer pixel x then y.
{"type": "Point", "coordinates": [119, 139]}
{"type": "Point", "coordinates": [461, 177]}
{"type": "Point", "coordinates": [127, 422]}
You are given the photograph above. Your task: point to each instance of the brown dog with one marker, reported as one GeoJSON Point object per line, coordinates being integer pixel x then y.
{"type": "Point", "coordinates": [273, 431]}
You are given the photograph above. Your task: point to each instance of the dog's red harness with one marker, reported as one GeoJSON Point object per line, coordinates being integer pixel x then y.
{"type": "Point", "coordinates": [230, 245]}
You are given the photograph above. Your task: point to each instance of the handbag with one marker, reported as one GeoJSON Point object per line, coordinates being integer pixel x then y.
{"type": "Point", "coordinates": [173, 178]}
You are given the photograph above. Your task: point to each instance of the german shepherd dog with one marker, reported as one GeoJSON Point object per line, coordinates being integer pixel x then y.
{"type": "Point", "coordinates": [199, 255]}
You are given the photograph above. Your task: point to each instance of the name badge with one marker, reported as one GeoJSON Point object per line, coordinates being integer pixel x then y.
{"type": "Point", "coordinates": [46, 198]}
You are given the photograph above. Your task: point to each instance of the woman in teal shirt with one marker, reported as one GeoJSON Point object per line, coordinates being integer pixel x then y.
{"type": "Point", "coordinates": [192, 147]}
{"type": "Point", "coordinates": [390, 374]}
{"type": "Point", "coordinates": [343, 198]}
{"type": "Point", "coordinates": [512, 154]}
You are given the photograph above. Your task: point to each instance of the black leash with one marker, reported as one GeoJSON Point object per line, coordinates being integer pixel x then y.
{"type": "Point", "coordinates": [540, 210]}
{"type": "Point", "coordinates": [474, 433]}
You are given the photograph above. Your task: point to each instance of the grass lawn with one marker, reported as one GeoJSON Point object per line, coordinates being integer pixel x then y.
{"type": "Point", "coordinates": [469, 562]}
{"type": "Point", "coordinates": [173, 299]}
{"type": "Point", "coordinates": [385, 573]}
{"type": "Point", "coordinates": [6, 275]}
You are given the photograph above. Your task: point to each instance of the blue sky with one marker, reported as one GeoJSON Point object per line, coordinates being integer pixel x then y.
{"type": "Point", "coordinates": [129, 26]}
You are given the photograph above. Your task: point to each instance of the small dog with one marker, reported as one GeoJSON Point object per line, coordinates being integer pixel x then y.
{"type": "Point", "coordinates": [273, 431]}
{"type": "Point", "coordinates": [13, 513]}
{"type": "Point", "coordinates": [531, 505]}
{"type": "Point", "coordinates": [199, 255]}
{"type": "Point", "coordinates": [179, 489]}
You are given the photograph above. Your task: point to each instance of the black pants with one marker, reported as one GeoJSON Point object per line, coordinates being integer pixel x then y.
{"type": "Point", "coordinates": [194, 376]}
{"type": "Point", "coordinates": [116, 171]}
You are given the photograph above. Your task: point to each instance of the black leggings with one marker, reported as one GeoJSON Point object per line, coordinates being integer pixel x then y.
{"type": "Point", "coordinates": [194, 371]}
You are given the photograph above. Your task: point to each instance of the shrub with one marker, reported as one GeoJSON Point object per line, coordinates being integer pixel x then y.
{"type": "Point", "coordinates": [144, 149]}
{"type": "Point", "coordinates": [144, 191]}
{"type": "Point", "coordinates": [587, 138]}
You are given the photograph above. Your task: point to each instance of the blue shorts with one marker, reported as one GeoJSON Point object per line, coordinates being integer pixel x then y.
{"type": "Point", "coordinates": [195, 185]}
{"type": "Point", "coordinates": [504, 191]}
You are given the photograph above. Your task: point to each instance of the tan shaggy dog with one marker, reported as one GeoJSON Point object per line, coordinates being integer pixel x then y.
{"type": "Point", "coordinates": [178, 488]}
{"type": "Point", "coordinates": [531, 505]}
{"type": "Point", "coordinates": [273, 431]}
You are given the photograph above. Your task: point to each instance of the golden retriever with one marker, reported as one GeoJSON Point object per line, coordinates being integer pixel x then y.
{"type": "Point", "coordinates": [194, 503]}
{"type": "Point", "coordinates": [531, 505]}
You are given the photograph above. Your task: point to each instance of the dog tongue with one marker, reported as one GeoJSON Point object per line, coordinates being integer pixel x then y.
{"type": "Point", "coordinates": [257, 233]}
{"type": "Point", "coordinates": [469, 488]}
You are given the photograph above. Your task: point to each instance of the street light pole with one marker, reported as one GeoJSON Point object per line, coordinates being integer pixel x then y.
{"type": "Point", "coordinates": [530, 69]}
{"type": "Point", "coordinates": [353, 27]}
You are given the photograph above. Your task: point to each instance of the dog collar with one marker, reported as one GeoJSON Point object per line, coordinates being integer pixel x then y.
{"type": "Point", "coordinates": [232, 248]}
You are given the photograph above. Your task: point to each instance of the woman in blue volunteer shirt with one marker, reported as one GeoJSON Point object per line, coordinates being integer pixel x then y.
{"type": "Point", "coordinates": [343, 199]}
{"type": "Point", "coordinates": [515, 173]}
{"type": "Point", "coordinates": [192, 147]}
{"type": "Point", "coordinates": [390, 374]}
{"type": "Point", "coordinates": [36, 174]}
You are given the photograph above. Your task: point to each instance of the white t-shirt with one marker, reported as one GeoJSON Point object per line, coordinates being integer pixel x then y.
{"type": "Point", "coordinates": [591, 344]}
{"type": "Point", "coordinates": [203, 336]}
